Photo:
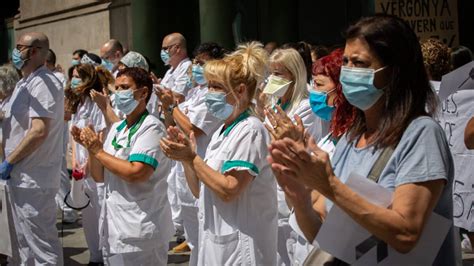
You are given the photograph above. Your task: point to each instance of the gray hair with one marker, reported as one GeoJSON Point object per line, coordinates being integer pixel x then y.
{"type": "Point", "coordinates": [8, 79]}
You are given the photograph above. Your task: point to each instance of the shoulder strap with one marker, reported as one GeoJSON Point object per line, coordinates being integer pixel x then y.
{"type": "Point", "coordinates": [380, 164]}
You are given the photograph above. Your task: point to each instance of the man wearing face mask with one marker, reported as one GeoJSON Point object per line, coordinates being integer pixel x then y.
{"type": "Point", "coordinates": [135, 223]}
{"type": "Point", "coordinates": [175, 55]}
{"type": "Point", "coordinates": [173, 86]}
{"type": "Point", "coordinates": [33, 137]}
{"type": "Point", "coordinates": [111, 53]}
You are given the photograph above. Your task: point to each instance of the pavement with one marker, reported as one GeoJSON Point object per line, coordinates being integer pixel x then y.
{"type": "Point", "coordinates": [76, 252]}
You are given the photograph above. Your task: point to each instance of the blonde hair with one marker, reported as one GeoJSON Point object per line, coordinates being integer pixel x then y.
{"type": "Point", "coordinates": [293, 62]}
{"type": "Point", "coordinates": [246, 65]}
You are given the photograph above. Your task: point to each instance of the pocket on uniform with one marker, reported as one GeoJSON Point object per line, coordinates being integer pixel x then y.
{"type": "Point", "coordinates": [222, 249]}
{"type": "Point", "coordinates": [133, 225]}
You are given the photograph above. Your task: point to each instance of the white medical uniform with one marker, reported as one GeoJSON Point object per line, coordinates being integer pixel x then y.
{"type": "Point", "coordinates": [317, 128]}
{"type": "Point", "coordinates": [135, 222]}
{"type": "Point", "coordinates": [195, 109]}
{"type": "Point", "coordinates": [244, 231]}
{"type": "Point", "coordinates": [34, 180]}
{"type": "Point", "coordinates": [88, 113]}
{"type": "Point", "coordinates": [176, 80]}
{"type": "Point", "coordinates": [298, 246]}
{"type": "Point", "coordinates": [69, 215]}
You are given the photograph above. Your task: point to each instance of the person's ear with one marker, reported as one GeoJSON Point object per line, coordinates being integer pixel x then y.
{"type": "Point", "coordinates": [241, 89]}
{"type": "Point", "coordinates": [144, 93]}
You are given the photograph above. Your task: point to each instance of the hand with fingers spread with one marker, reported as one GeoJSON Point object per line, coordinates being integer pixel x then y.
{"type": "Point", "coordinates": [101, 99]}
{"type": "Point", "coordinates": [91, 140]}
{"type": "Point", "coordinates": [178, 146]}
{"type": "Point", "coordinates": [165, 96]}
{"type": "Point", "coordinates": [292, 159]}
{"type": "Point", "coordinates": [282, 126]}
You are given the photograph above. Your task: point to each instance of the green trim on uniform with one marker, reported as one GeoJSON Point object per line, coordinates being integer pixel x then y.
{"type": "Point", "coordinates": [241, 117]}
{"type": "Point", "coordinates": [283, 107]}
{"type": "Point", "coordinates": [133, 129]}
{"type": "Point", "coordinates": [137, 157]}
{"type": "Point", "coordinates": [238, 163]}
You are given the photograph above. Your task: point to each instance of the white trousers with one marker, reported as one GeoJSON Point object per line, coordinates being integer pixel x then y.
{"type": "Point", "coordinates": [173, 199]}
{"type": "Point", "coordinates": [90, 218]}
{"type": "Point", "coordinates": [191, 230]}
{"type": "Point", "coordinates": [34, 217]}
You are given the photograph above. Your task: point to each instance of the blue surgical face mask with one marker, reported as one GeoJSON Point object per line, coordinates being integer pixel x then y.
{"type": "Point", "coordinates": [358, 86]}
{"type": "Point", "coordinates": [75, 82]}
{"type": "Point", "coordinates": [165, 57]}
{"type": "Point", "coordinates": [75, 62]}
{"type": "Point", "coordinates": [17, 61]}
{"type": "Point", "coordinates": [125, 102]}
{"type": "Point", "coordinates": [108, 65]}
{"type": "Point", "coordinates": [198, 74]}
{"type": "Point", "coordinates": [217, 105]}
{"type": "Point", "coordinates": [318, 102]}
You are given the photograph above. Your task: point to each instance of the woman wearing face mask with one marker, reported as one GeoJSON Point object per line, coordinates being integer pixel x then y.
{"type": "Point", "coordinates": [287, 89]}
{"type": "Point", "coordinates": [384, 78]}
{"type": "Point", "coordinates": [234, 184]}
{"type": "Point", "coordinates": [193, 115]}
{"type": "Point", "coordinates": [136, 216]}
{"type": "Point", "coordinates": [287, 86]}
{"type": "Point", "coordinates": [328, 102]}
{"type": "Point", "coordinates": [85, 79]}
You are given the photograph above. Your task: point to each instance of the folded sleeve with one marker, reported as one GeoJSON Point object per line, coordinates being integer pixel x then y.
{"type": "Point", "coordinates": [248, 151]}
{"type": "Point", "coordinates": [43, 95]}
{"type": "Point", "coordinates": [146, 147]}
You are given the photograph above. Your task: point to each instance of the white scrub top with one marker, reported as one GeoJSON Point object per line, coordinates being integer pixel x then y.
{"type": "Point", "coordinates": [38, 95]}
{"type": "Point", "coordinates": [175, 79]}
{"type": "Point", "coordinates": [88, 113]}
{"type": "Point", "coordinates": [136, 216]}
{"type": "Point", "coordinates": [195, 109]}
{"type": "Point", "coordinates": [315, 126]}
{"type": "Point", "coordinates": [244, 231]}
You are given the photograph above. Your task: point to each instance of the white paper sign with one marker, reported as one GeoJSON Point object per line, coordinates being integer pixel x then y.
{"type": "Point", "coordinates": [5, 239]}
{"type": "Point", "coordinates": [455, 112]}
{"type": "Point", "coordinates": [345, 239]}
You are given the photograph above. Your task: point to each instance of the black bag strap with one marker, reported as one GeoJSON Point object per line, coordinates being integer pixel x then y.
{"type": "Point", "coordinates": [380, 164]}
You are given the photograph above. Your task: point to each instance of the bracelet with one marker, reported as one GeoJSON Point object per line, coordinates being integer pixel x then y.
{"type": "Point", "coordinates": [171, 108]}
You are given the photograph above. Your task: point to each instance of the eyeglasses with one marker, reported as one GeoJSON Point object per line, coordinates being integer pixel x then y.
{"type": "Point", "coordinates": [166, 48]}
{"type": "Point", "coordinates": [22, 47]}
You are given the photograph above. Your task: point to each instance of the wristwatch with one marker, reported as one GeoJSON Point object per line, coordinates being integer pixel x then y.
{"type": "Point", "coordinates": [171, 107]}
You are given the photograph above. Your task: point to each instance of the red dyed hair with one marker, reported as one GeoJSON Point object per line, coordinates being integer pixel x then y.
{"type": "Point", "coordinates": [344, 114]}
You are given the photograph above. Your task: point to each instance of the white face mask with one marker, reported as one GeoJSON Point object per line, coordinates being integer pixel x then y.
{"type": "Point", "coordinates": [276, 86]}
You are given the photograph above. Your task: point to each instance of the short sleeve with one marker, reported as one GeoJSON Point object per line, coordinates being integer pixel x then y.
{"type": "Point", "coordinates": [201, 118]}
{"type": "Point", "coordinates": [248, 151]}
{"type": "Point", "coordinates": [43, 93]}
{"type": "Point", "coordinates": [423, 154]}
{"type": "Point", "coordinates": [181, 79]}
{"type": "Point", "coordinates": [146, 147]}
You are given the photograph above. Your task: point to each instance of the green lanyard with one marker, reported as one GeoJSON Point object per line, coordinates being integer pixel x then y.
{"type": "Point", "coordinates": [132, 132]}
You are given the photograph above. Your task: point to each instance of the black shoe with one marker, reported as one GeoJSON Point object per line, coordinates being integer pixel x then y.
{"type": "Point", "coordinates": [180, 239]}
{"type": "Point", "coordinates": [95, 264]}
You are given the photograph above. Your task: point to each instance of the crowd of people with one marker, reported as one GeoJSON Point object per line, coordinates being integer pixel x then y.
{"type": "Point", "coordinates": [240, 154]}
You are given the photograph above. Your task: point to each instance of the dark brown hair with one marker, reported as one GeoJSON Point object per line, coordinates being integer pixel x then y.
{"type": "Point", "coordinates": [408, 94]}
{"type": "Point", "coordinates": [140, 77]}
